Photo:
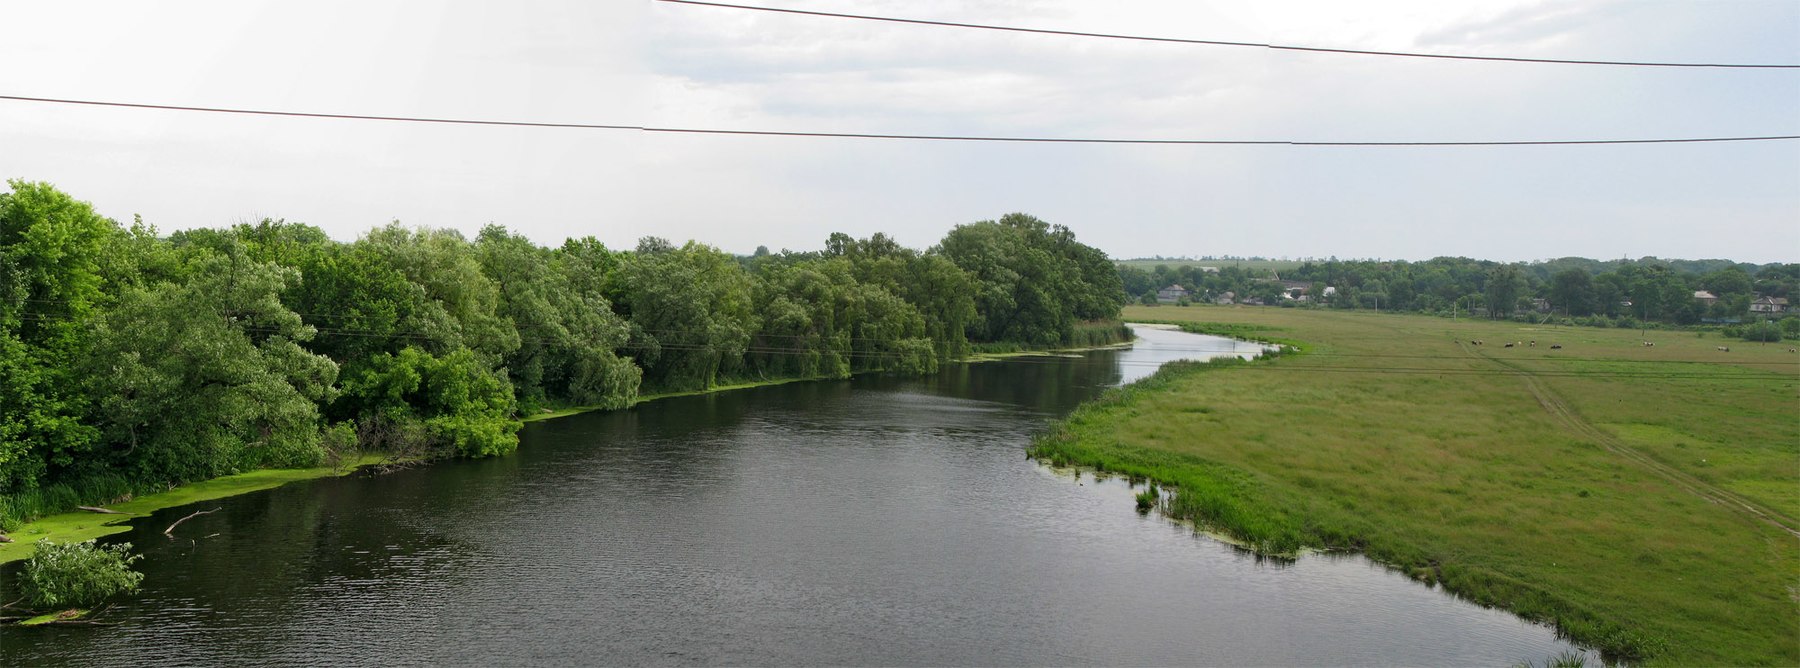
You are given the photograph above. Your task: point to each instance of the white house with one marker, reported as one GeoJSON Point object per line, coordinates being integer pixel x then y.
{"type": "Point", "coordinates": [1770, 305]}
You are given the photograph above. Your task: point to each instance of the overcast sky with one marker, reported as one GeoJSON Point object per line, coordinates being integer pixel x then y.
{"type": "Point", "coordinates": [635, 62]}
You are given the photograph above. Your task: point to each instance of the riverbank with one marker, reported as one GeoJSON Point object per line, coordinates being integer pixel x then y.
{"type": "Point", "coordinates": [551, 414]}
{"type": "Point", "coordinates": [972, 358]}
{"type": "Point", "coordinates": [1592, 487]}
{"type": "Point", "coordinates": [83, 525]}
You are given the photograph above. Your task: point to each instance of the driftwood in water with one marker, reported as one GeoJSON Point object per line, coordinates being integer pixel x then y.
{"type": "Point", "coordinates": [170, 532]}
{"type": "Point", "coordinates": [95, 509]}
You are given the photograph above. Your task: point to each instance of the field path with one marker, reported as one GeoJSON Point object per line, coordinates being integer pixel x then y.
{"type": "Point", "coordinates": [1561, 410]}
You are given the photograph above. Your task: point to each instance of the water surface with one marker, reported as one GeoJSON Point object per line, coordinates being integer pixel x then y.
{"type": "Point", "coordinates": [881, 520]}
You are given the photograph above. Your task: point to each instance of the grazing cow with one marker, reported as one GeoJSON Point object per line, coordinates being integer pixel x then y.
{"type": "Point", "coordinates": [1556, 346]}
{"type": "Point", "coordinates": [1648, 344]}
{"type": "Point", "coordinates": [1723, 349]}
{"type": "Point", "coordinates": [1534, 343]}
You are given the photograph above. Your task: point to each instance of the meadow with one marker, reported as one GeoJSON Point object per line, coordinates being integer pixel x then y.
{"type": "Point", "coordinates": [1640, 498]}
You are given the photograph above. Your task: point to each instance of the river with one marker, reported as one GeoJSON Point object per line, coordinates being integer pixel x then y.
{"type": "Point", "coordinates": [874, 521]}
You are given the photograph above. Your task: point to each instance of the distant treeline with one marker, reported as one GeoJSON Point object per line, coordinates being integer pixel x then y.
{"type": "Point", "coordinates": [131, 361]}
{"type": "Point", "coordinates": [1620, 290]}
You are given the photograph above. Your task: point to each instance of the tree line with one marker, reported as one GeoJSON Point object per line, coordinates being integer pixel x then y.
{"type": "Point", "coordinates": [1618, 292]}
{"type": "Point", "coordinates": [131, 361]}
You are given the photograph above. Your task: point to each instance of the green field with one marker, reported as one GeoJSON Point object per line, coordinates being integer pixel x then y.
{"type": "Point", "coordinates": [1641, 498]}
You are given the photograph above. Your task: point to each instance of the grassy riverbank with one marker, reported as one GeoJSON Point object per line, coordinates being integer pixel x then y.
{"type": "Point", "coordinates": [82, 525]}
{"type": "Point", "coordinates": [1634, 496]}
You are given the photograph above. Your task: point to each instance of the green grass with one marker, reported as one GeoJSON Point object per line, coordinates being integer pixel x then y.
{"type": "Point", "coordinates": [1390, 437]}
{"type": "Point", "coordinates": [83, 526]}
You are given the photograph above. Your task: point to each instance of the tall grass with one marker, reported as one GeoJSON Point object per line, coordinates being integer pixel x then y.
{"type": "Point", "coordinates": [20, 507]}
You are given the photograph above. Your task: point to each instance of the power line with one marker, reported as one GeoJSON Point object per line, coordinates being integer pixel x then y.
{"type": "Point", "coordinates": [1209, 42]}
{"type": "Point", "coordinates": [874, 135]}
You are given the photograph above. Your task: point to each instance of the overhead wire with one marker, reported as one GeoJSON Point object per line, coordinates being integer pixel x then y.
{"type": "Point", "coordinates": [1225, 43]}
{"type": "Point", "coordinates": [890, 136]}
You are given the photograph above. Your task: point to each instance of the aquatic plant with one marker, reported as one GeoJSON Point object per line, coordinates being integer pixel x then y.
{"type": "Point", "coordinates": [1147, 499]}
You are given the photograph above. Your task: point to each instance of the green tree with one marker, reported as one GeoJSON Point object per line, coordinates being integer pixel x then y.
{"type": "Point", "coordinates": [414, 402]}
{"type": "Point", "coordinates": [77, 575]}
{"type": "Point", "coordinates": [567, 338]}
{"type": "Point", "coordinates": [51, 288]}
{"type": "Point", "coordinates": [690, 312]}
{"type": "Point", "coordinates": [1572, 290]}
{"type": "Point", "coordinates": [209, 378]}
{"type": "Point", "coordinates": [1502, 289]}
{"type": "Point", "coordinates": [1032, 280]}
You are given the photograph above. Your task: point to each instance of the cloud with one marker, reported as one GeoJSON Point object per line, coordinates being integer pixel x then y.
{"type": "Point", "coordinates": [672, 65]}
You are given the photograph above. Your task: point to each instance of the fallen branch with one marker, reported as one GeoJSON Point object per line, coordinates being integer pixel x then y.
{"type": "Point", "coordinates": [170, 532]}
{"type": "Point", "coordinates": [5, 538]}
{"type": "Point", "coordinates": [95, 509]}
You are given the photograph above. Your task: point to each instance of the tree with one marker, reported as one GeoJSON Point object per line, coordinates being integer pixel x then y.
{"type": "Point", "coordinates": [1032, 280]}
{"type": "Point", "coordinates": [414, 402]}
{"type": "Point", "coordinates": [567, 337]}
{"type": "Point", "coordinates": [1572, 290]}
{"type": "Point", "coordinates": [209, 378]}
{"type": "Point", "coordinates": [51, 287]}
{"type": "Point", "coordinates": [690, 311]}
{"type": "Point", "coordinates": [1502, 289]}
{"type": "Point", "coordinates": [77, 575]}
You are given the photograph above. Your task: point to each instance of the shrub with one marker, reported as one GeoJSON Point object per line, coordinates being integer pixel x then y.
{"type": "Point", "coordinates": [1761, 331]}
{"type": "Point", "coordinates": [77, 574]}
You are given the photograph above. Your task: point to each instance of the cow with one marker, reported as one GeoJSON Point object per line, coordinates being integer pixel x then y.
{"type": "Point", "coordinates": [1509, 345]}
{"type": "Point", "coordinates": [1723, 349]}
{"type": "Point", "coordinates": [1556, 346]}
{"type": "Point", "coordinates": [1649, 344]}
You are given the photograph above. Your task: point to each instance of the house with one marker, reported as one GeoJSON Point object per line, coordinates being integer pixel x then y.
{"type": "Point", "coordinates": [1769, 305]}
{"type": "Point", "coordinates": [1226, 299]}
{"type": "Point", "coordinates": [1295, 289]}
{"type": "Point", "coordinates": [1540, 304]}
{"type": "Point", "coordinates": [1171, 294]}
{"type": "Point", "coordinates": [1705, 298]}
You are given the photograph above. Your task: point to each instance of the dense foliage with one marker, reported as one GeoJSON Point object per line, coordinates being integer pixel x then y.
{"type": "Point", "coordinates": [1624, 293]}
{"type": "Point", "coordinates": [130, 361]}
{"type": "Point", "coordinates": [77, 575]}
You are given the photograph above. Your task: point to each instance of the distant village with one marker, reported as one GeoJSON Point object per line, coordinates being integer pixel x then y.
{"type": "Point", "coordinates": [1676, 292]}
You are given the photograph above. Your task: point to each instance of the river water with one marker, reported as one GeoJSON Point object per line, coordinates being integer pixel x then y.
{"type": "Point", "coordinates": [875, 521]}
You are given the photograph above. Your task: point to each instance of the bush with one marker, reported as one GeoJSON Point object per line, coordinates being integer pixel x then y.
{"type": "Point", "coordinates": [77, 575]}
{"type": "Point", "coordinates": [1761, 331]}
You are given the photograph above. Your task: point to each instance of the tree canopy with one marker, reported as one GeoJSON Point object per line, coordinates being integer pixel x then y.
{"type": "Point", "coordinates": [132, 361]}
